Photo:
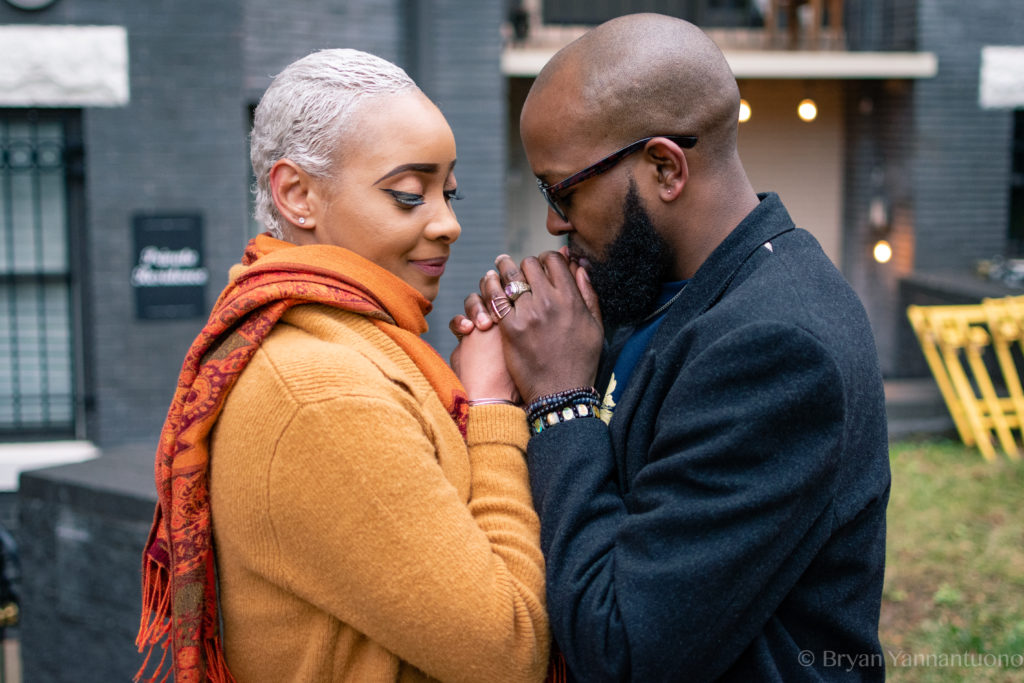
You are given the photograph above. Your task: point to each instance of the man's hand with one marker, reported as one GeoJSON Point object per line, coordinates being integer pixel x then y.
{"type": "Point", "coordinates": [553, 333]}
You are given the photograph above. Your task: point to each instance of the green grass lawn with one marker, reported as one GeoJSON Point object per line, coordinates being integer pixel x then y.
{"type": "Point", "coordinates": [954, 584]}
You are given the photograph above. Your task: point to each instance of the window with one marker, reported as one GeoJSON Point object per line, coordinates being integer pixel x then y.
{"type": "Point", "coordinates": [40, 191]}
{"type": "Point", "coordinates": [1017, 185]}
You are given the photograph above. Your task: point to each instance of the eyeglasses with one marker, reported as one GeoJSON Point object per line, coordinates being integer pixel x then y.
{"type": "Point", "coordinates": [551, 192]}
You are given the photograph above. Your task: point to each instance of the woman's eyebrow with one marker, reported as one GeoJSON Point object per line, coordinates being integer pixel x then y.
{"type": "Point", "coordinates": [418, 168]}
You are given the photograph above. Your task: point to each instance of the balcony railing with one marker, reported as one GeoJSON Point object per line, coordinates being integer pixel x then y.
{"type": "Point", "coordinates": [710, 13]}
{"type": "Point", "coordinates": [864, 25]}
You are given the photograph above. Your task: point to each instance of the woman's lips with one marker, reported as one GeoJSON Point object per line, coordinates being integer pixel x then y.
{"type": "Point", "coordinates": [433, 267]}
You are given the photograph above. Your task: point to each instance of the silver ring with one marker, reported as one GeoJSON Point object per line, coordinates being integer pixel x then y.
{"type": "Point", "coordinates": [516, 289]}
{"type": "Point", "coordinates": [501, 305]}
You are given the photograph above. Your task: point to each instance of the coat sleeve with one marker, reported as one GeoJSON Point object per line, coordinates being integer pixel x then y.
{"type": "Point", "coordinates": [377, 537]}
{"type": "Point", "coordinates": [682, 571]}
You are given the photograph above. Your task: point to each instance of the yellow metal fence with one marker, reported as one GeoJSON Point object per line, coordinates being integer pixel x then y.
{"type": "Point", "coordinates": [974, 352]}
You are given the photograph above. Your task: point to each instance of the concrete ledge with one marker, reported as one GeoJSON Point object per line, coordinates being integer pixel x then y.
{"type": "Point", "coordinates": [915, 407]}
{"type": "Point", "coordinates": [16, 458]}
{"type": "Point", "coordinates": [119, 481]}
{"type": "Point", "coordinates": [81, 531]}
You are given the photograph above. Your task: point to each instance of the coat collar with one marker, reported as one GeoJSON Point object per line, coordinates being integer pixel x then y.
{"type": "Point", "coordinates": [766, 222]}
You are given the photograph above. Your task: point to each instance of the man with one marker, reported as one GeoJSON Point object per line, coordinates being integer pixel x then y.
{"type": "Point", "coordinates": [728, 522]}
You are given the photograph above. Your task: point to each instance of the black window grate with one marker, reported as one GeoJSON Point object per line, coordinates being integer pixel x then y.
{"type": "Point", "coordinates": [37, 352]}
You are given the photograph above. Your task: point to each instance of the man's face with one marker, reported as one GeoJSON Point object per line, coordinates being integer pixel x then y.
{"type": "Point", "coordinates": [626, 265]}
{"type": "Point", "coordinates": [560, 139]}
{"type": "Point", "coordinates": [628, 275]}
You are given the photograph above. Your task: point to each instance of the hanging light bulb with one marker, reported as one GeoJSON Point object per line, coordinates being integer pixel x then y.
{"type": "Point", "coordinates": [807, 110]}
{"type": "Point", "coordinates": [882, 251]}
{"type": "Point", "coordinates": [744, 111]}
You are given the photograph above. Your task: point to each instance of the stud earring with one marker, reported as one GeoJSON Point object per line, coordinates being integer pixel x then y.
{"type": "Point", "coordinates": [302, 220]}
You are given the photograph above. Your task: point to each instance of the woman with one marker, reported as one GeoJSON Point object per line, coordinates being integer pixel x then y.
{"type": "Point", "coordinates": [370, 512]}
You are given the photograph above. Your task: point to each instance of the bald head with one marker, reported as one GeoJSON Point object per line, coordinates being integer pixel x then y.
{"type": "Point", "coordinates": [640, 75]}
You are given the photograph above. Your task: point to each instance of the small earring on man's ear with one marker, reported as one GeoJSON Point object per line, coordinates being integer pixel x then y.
{"type": "Point", "coordinates": [302, 220]}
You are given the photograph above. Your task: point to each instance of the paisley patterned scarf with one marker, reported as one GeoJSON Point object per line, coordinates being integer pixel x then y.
{"type": "Point", "coordinates": [179, 591]}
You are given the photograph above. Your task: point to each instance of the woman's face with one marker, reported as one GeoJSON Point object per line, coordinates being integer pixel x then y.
{"type": "Point", "coordinates": [390, 197]}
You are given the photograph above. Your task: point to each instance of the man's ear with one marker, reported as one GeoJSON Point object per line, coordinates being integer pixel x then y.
{"type": "Point", "coordinates": [294, 194]}
{"type": "Point", "coordinates": [668, 162]}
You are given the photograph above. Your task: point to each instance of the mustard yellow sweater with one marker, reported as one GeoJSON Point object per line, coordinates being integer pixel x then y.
{"type": "Point", "coordinates": [357, 537]}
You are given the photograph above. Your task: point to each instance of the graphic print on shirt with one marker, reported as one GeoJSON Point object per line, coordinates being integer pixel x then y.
{"type": "Point", "coordinates": [608, 402]}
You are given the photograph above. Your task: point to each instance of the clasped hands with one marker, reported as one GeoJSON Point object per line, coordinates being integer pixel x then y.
{"type": "Point", "coordinates": [547, 340]}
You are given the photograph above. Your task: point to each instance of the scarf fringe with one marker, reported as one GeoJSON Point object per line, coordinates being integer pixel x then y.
{"type": "Point", "coordinates": [155, 625]}
{"type": "Point", "coordinates": [558, 671]}
{"type": "Point", "coordinates": [216, 665]}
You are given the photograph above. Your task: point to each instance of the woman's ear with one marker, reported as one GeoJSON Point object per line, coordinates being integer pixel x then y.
{"type": "Point", "coordinates": [669, 164]}
{"type": "Point", "coordinates": [292, 190]}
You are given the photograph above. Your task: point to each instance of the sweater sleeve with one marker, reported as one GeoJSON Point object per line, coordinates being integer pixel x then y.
{"type": "Point", "coordinates": [376, 536]}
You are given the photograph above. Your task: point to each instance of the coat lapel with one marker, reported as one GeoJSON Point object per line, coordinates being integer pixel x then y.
{"type": "Point", "coordinates": [769, 220]}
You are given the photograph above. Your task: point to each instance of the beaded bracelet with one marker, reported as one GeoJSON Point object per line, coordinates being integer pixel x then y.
{"type": "Point", "coordinates": [591, 401]}
{"type": "Point", "coordinates": [562, 406]}
{"type": "Point", "coordinates": [558, 400]}
{"type": "Point", "coordinates": [549, 419]}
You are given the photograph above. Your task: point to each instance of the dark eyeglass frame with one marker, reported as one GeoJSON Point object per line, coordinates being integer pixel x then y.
{"type": "Point", "coordinates": [551, 192]}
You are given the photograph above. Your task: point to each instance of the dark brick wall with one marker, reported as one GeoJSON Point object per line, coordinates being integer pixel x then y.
{"type": "Point", "coordinates": [277, 33]}
{"type": "Point", "coordinates": [462, 74]}
{"type": "Point", "coordinates": [962, 153]}
{"type": "Point", "coordinates": [180, 146]}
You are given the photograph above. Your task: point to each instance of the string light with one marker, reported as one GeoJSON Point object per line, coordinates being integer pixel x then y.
{"type": "Point", "coordinates": [882, 251]}
{"type": "Point", "coordinates": [807, 110]}
{"type": "Point", "coordinates": [744, 111]}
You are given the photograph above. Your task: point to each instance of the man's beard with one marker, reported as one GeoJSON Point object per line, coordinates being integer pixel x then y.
{"type": "Point", "coordinates": [628, 278]}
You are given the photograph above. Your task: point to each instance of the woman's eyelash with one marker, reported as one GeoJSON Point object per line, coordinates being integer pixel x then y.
{"type": "Point", "coordinates": [412, 199]}
{"type": "Point", "coordinates": [406, 198]}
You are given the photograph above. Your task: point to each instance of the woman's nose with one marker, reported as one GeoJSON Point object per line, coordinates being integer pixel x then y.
{"type": "Point", "coordinates": [445, 226]}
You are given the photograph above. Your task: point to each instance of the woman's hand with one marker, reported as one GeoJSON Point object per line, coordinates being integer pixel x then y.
{"type": "Point", "coordinates": [479, 362]}
{"type": "Point", "coordinates": [477, 317]}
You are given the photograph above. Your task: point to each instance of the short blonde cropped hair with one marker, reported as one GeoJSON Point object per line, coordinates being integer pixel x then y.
{"type": "Point", "coordinates": [307, 110]}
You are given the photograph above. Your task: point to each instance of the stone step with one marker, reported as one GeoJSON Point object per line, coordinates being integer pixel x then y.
{"type": "Point", "coordinates": [915, 407]}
